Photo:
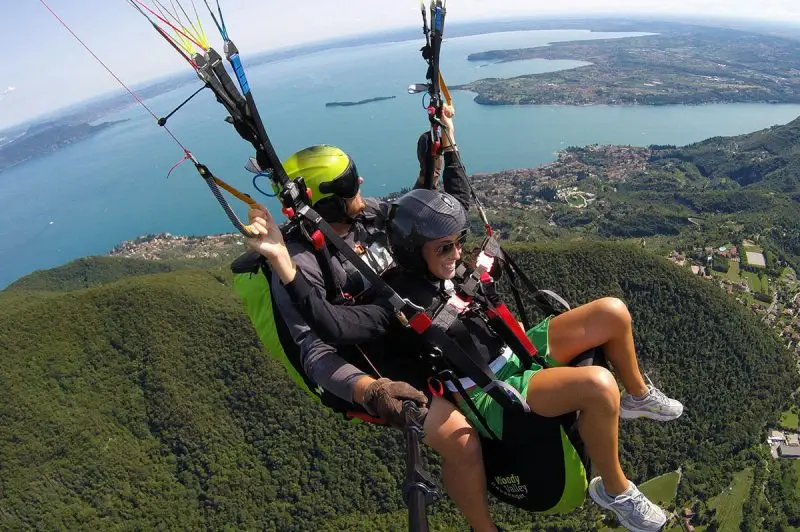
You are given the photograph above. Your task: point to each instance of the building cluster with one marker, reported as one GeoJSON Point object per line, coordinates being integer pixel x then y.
{"type": "Point", "coordinates": [697, 267]}
{"type": "Point", "coordinates": [784, 444]}
{"type": "Point", "coordinates": [523, 187]}
{"type": "Point", "coordinates": [167, 246]}
{"type": "Point", "coordinates": [782, 314]}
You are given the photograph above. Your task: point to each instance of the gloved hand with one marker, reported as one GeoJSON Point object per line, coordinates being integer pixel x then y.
{"type": "Point", "coordinates": [384, 398]}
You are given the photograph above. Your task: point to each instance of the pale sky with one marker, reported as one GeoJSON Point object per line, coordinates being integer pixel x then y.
{"type": "Point", "coordinates": [44, 68]}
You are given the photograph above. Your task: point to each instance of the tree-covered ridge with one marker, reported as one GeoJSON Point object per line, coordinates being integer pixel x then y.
{"type": "Point", "coordinates": [87, 272]}
{"type": "Point", "coordinates": [148, 402]}
{"type": "Point", "coordinates": [769, 158]}
{"type": "Point", "coordinates": [152, 405]}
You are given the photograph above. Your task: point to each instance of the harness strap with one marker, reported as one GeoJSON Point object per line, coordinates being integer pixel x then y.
{"type": "Point", "coordinates": [400, 306]}
{"type": "Point", "coordinates": [516, 295]}
{"type": "Point", "coordinates": [434, 331]}
{"type": "Point", "coordinates": [500, 319]}
{"type": "Point", "coordinates": [333, 289]}
{"type": "Point", "coordinates": [449, 376]}
{"type": "Point", "coordinates": [542, 298]}
{"type": "Point", "coordinates": [448, 313]}
{"type": "Point", "coordinates": [503, 323]}
{"type": "Point", "coordinates": [543, 294]}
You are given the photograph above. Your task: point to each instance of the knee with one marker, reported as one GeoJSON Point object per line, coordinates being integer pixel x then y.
{"type": "Point", "coordinates": [461, 446]}
{"type": "Point", "coordinates": [466, 449]}
{"type": "Point", "coordinates": [449, 433]}
{"type": "Point", "coordinates": [616, 311]}
{"type": "Point", "coordinates": [602, 387]}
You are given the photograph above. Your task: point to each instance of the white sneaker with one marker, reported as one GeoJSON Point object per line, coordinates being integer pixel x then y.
{"type": "Point", "coordinates": [634, 511]}
{"type": "Point", "coordinates": [654, 404]}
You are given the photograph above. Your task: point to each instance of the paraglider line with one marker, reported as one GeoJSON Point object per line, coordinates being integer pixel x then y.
{"type": "Point", "coordinates": [164, 34]}
{"type": "Point", "coordinates": [135, 97]}
{"type": "Point", "coordinates": [168, 23]}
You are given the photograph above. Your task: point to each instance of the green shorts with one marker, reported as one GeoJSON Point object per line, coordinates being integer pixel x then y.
{"type": "Point", "coordinates": [513, 373]}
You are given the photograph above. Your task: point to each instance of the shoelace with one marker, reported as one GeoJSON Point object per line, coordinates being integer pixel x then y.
{"type": "Point", "coordinates": [639, 501]}
{"type": "Point", "coordinates": [659, 396]}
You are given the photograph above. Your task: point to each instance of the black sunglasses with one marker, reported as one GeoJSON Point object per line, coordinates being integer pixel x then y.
{"type": "Point", "coordinates": [446, 249]}
{"type": "Point", "coordinates": [346, 185]}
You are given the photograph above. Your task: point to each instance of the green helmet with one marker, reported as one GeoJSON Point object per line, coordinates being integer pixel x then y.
{"type": "Point", "coordinates": [330, 174]}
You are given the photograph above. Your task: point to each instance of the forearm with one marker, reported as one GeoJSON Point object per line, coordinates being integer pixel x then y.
{"type": "Point", "coordinates": [284, 268]}
{"type": "Point", "coordinates": [320, 361]}
{"type": "Point", "coordinates": [455, 178]}
{"type": "Point", "coordinates": [337, 324]}
{"type": "Point", "coordinates": [437, 160]}
{"type": "Point", "coordinates": [335, 375]}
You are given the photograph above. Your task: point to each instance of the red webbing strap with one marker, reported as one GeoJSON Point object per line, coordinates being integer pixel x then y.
{"type": "Point", "coordinates": [436, 387]}
{"type": "Point", "coordinates": [443, 317]}
{"type": "Point", "coordinates": [501, 311]}
{"type": "Point", "coordinates": [363, 416]}
{"type": "Point", "coordinates": [420, 322]}
{"type": "Point", "coordinates": [498, 309]}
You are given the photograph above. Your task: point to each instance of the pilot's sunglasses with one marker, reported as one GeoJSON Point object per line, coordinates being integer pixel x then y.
{"type": "Point", "coordinates": [446, 249]}
{"type": "Point", "coordinates": [345, 185]}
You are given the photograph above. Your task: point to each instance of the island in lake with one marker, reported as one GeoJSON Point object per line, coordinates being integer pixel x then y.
{"type": "Point", "coordinates": [360, 102]}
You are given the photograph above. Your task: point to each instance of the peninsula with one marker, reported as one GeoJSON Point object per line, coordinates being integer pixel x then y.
{"type": "Point", "coordinates": [360, 102]}
{"type": "Point", "coordinates": [37, 142]}
{"type": "Point", "coordinates": [679, 64]}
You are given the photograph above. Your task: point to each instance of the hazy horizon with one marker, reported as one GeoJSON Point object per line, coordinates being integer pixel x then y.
{"type": "Point", "coordinates": [14, 116]}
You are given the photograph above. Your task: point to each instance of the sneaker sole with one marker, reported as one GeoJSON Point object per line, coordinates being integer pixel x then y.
{"type": "Point", "coordinates": [596, 498]}
{"type": "Point", "coordinates": [634, 414]}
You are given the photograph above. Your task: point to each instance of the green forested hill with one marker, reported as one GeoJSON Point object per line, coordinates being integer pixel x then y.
{"type": "Point", "coordinates": [87, 272]}
{"type": "Point", "coordinates": [769, 158]}
{"type": "Point", "coordinates": [147, 402]}
{"type": "Point", "coordinates": [751, 179]}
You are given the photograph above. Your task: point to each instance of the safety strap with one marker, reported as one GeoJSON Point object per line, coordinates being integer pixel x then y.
{"type": "Point", "coordinates": [449, 376]}
{"type": "Point", "coordinates": [433, 327]}
{"type": "Point", "coordinates": [501, 321]}
{"type": "Point", "coordinates": [523, 314]}
{"type": "Point", "coordinates": [547, 300]}
{"type": "Point", "coordinates": [475, 368]}
{"type": "Point", "coordinates": [333, 290]}
{"type": "Point", "coordinates": [400, 306]}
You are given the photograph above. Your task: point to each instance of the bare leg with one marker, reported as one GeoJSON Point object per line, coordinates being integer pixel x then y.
{"type": "Point", "coordinates": [603, 323]}
{"type": "Point", "coordinates": [449, 433]}
{"type": "Point", "coordinates": [592, 390]}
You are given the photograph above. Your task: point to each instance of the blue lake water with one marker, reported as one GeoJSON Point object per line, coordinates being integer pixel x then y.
{"type": "Point", "coordinates": [88, 197]}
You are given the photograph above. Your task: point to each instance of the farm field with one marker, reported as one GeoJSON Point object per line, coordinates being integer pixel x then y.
{"type": "Point", "coordinates": [728, 504]}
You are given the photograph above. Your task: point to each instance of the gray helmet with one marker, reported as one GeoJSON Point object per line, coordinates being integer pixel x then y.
{"type": "Point", "coordinates": [418, 217]}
